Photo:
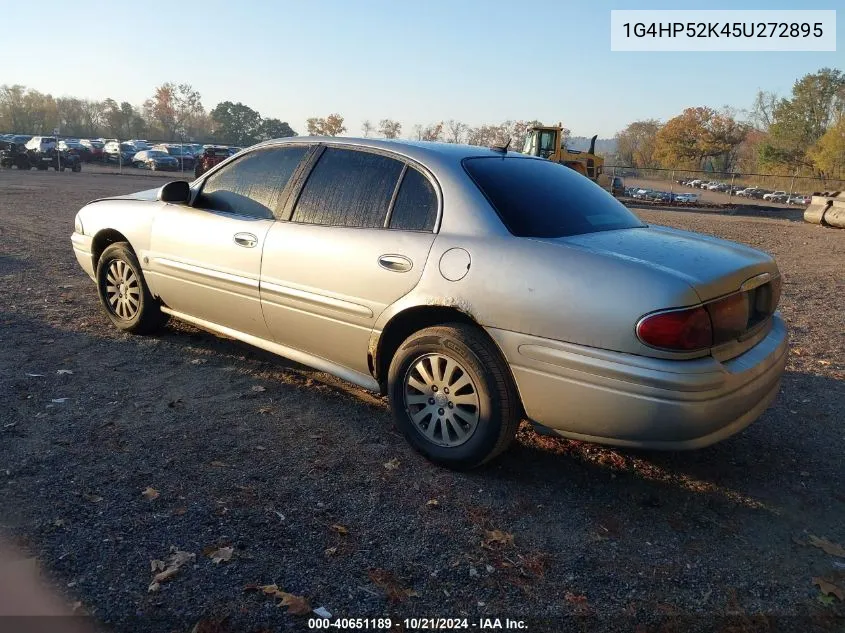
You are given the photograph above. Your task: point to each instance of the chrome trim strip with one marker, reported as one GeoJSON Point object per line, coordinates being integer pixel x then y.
{"type": "Point", "coordinates": [207, 272]}
{"type": "Point", "coordinates": [754, 282]}
{"type": "Point", "coordinates": [321, 364]}
{"type": "Point", "coordinates": [316, 299]}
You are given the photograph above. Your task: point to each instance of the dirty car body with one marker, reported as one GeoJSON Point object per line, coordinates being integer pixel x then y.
{"type": "Point", "coordinates": [474, 286]}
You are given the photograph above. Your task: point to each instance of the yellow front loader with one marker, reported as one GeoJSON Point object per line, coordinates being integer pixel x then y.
{"type": "Point", "coordinates": [547, 142]}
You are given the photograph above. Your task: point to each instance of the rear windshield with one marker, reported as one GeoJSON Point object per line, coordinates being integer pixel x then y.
{"type": "Point", "coordinates": [539, 198]}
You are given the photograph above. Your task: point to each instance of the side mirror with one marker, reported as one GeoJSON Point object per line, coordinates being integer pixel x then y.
{"type": "Point", "coordinates": [176, 192]}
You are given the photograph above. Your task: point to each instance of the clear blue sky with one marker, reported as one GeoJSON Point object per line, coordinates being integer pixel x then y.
{"type": "Point", "coordinates": [417, 62]}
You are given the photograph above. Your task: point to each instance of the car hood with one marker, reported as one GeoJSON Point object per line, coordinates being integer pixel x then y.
{"type": "Point", "coordinates": [146, 195]}
{"type": "Point", "coordinates": [712, 267]}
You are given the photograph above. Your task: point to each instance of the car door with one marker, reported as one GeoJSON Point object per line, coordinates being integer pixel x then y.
{"type": "Point", "coordinates": [358, 238]}
{"type": "Point", "coordinates": [205, 258]}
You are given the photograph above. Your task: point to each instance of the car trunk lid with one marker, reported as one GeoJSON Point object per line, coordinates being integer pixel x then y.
{"type": "Point", "coordinates": [711, 266]}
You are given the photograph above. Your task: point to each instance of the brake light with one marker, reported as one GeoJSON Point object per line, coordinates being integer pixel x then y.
{"type": "Point", "coordinates": [679, 330]}
{"type": "Point", "coordinates": [729, 316]}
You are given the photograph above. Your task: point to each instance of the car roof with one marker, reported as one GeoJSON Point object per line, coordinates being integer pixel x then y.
{"type": "Point", "coordinates": [422, 151]}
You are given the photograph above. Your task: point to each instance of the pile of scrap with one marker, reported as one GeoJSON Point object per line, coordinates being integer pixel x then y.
{"type": "Point", "coordinates": [827, 209]}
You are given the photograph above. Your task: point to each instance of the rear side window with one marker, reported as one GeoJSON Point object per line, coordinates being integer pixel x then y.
{"type": "Point", "coordinates": [539, 198]}
{"type": "Point", "coordinates": [252, 185]}
{"type": "Point", "coordinates": [348, 188]}
{"type": "Point", "coordinates": [415, 208]}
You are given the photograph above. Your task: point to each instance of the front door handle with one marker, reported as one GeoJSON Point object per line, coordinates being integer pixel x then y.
{"type": "Point", "coordinates": [395, 263]}
{"type": "Point", "coordinates": [247, 240]}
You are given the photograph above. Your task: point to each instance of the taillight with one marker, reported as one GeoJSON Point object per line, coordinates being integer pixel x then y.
{"type": "Point", "coordinates": [729, 317]}
{"type": "Point", "coordinates": [679, 330]}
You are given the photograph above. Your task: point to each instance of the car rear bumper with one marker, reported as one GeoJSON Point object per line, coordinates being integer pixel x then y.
{"type": "Point", "coordinates": [626, 400]}
{"type": "Point", "coordinates": [82, 250]}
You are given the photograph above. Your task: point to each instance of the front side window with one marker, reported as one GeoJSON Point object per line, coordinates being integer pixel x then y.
{"type": "Point", "coordinates": [415, 208]}
{"type": "Point", "coordinates": [539, 198]}
{"type": "Point", "coordinates": [252, 185]}
{"type": "Point", "coordinates": [348, 188]}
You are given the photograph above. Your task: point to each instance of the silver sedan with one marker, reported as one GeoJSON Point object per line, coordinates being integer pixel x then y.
{"type": "Point", "coordinates": [473, 286]}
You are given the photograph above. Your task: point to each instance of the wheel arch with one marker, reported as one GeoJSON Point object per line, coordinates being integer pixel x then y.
{"type": "Point", "coordinates": [102, 240]}
{"type": "Point", "coordinates": [410, 320]}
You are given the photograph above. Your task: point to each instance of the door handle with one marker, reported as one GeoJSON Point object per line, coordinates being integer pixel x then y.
{"type": "Point", "coordinates": [395, 263]}
{"type": "Point", "coordinates": [247, 240]}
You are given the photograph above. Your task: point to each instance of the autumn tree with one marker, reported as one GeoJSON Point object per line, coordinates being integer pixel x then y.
{"type": "Point", "coordinates": [332, 125]}
{"type": "Point", "coordinates": [389, 128]}
{"type": "Point", "coordinates": [635, 145]}
{"type": "Point", "coordinates": [171, 106]}
{"type": "Point", "coordinates": [817, 101]}
{"type": "Point", "coordinates": [828, 154]}
{"type": "Point", "coordinates": [697, 135]}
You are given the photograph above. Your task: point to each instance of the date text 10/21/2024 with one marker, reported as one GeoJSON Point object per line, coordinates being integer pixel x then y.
{"type": "Point", "coordinates": [419, 624]}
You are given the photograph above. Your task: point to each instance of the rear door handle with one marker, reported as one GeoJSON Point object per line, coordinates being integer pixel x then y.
{"type": "Point", "coordinates": [247, 240]}
{"type": "Point", "coordinates": [395, 263]}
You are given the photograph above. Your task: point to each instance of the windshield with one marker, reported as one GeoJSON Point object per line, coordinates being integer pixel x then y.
{"type": "Point", "coordinates": [539, 198]}
{"type": "Point", "coordinates": [126, 148]}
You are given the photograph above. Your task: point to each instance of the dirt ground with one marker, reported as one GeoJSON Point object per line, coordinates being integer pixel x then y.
{"type": "Point", "coordinates": [305, 477]}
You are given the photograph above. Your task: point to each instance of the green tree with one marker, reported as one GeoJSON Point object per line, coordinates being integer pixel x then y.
{"type": "Point", "coordinates": [828, 154]}
{"type": "Point", "coordinates": [274, 128]}
{"type": "Point", "coordinates": [818, 100]}
{"type": "Point", "coordinates": [236, 123]}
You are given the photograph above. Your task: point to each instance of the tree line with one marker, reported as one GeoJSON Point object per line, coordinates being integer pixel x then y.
{"type": "Point", "coordinates": [801, 132]}
{"type": "Point", "coordinates": [174, 112]}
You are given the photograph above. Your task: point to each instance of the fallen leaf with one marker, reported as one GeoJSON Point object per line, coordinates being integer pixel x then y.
{"type": "Point", "coordinates": [392, 464]}
{"type": "Point", "coordinates": [179, 511]}
{"type": "Point", "coordinates": [297, 605]}
{"type": "Point", "coordinates": [343, 531]}
{"type": "Point", "coordinates": [575, 598]}
{"type": "Point", "coordinates": [259, 389]}
{"type": "Point", "coordinates": [265, 410]}
{"type": "Point", "coordinates": [198, 361]}
{"type": "Point", "coordinates": [157, 565]}
{"type": "Point", "coordinates": [62, 372]}
{"type": "Point", "coordinates": [834, 549]}
{"type": "Point", "coordinates": [828, 588]}
{"type": "Point", "coordinates": [323, 613]}
{"type": "Point", "coordinates": [217, 464]}
{"type": "Point", "coordinates": [149, 493]}
{"type": "Point", "coordinates": [330, 552]}
{"type": "Point", "coordinates": [59, 400]}
{"type": "Point", "coordinates": [496, 537]}
{"type": "Point", "coordinates": [432, 503]}
{"type": "Point", "coordinates": [390, 585]}
{"type": "Point", "coordinates": [91, 498]}
{"type": "Point", "coordinates": [174, 562]}
{"type": "Point", "coordinates": [222, 555]}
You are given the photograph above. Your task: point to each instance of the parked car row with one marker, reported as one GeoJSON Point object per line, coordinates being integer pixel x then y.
{"type": "Point", "coordinates": [744, 191]}
{"type": "Point", "coordinates": [661, 196]}
{"type": "Point", "coordinates": [138, 153]}
{"type": "Point", "coordinates": [43, 154]}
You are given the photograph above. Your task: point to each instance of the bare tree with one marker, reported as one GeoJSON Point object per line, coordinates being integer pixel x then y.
{"type": "Point", "coordinates": [389, 128]}
{"type": "Point", "coordinates": [456, 130]}
{"type": "Point", "coordinates": [433, 132]}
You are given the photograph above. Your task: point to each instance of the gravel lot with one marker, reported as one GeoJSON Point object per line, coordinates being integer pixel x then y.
{"type": "Point", "coordinates": [306, 478]}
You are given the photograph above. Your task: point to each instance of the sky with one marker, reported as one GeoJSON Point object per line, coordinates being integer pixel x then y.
{"type": "Point", "coordinates": [417, 62]}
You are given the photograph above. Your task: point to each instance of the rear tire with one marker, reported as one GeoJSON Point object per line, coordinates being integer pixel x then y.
{"type": "Point", "coordinates": [124, 294]}
{"type": "Point", "coordinates": [452, 395]}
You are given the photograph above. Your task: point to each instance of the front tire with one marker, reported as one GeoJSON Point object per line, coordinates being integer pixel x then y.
{"type": "Point", "coordinates": [452, 395]}
{"type": "Point", "coordinates": [124, 294]}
